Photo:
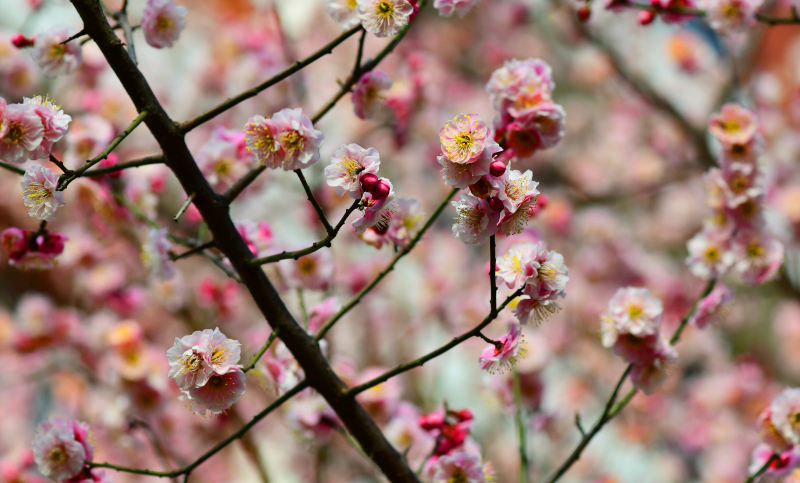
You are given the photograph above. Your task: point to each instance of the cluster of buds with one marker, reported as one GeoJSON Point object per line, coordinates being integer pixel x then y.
{"type": "Point", "coordinates": [32, 249]}
{"type": "Point", "coordinates": [631, 326]}
{"type": "Point", "coordinates": [779, 428]}
{"type": "Point", "coordinates": [204, 364]}
{"type": "Point", "coordinates": [450, 428]}
{"type": "Point", "coordinates": [735, 237]}
{"type": "Point", "coordinates": [529, 120]}
{"type": "Point", "coordinates": [540, 274]}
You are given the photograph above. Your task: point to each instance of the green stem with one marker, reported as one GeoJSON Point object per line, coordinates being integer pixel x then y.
{"type": "Point", "coordinates": [523, 452]}
{"type": "Point", "coordinates": [763, 468]}
{"type": "Point", "coordinates": [313, 201]}
{"type": "Point", "coordinates": [261, 351]}
{"type": "Point", "coordinates": [12, 168]}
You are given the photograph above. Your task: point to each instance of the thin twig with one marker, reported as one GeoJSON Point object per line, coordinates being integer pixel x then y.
{"type": "Point", "coordinates": [136, 163]}
{"type": "Point", "coordinates": [183, 208]}
{"type": "Point", "coordinates": [261, 351]}
{"type": "Point", "coordinates": [192, 251]}
{"type": "Point", "coordinates": [12, 168]}
{"type": "Point", "coordinates": [521, 434]}
{"type": "Point", "coordinates": [313, 201]}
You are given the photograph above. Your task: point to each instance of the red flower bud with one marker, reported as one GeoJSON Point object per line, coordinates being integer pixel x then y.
{"type": "Point", "coordinates": [369, 182]}
{"type": "Point", "coordinates": [584, 13]}
{"type": "Point", "coordinates": [431, 421]}
{"type": "Point", "coordinates": [21, 42]}
{"type": "Point", "coordinates": [497, 168]}
{"type": "Point", "coordinates": [495, 204]}
{"type": "Point", "coordinates": [542, 200]}
{"type": "Point", "coordinates": [464, 414]}
{"type": "Point", "coordinates": [381, 191]}
{"type": "Point", "coordinates": [646, 17]}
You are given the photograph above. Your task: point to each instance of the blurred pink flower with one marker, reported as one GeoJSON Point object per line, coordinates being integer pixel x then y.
{"type": "Point", "coordinates": [462, 467]}
{"type": "Point", "coordinates": [162, 23]}
{"type": "Point", "coordinates": [493, 358]}
{"type": "Point", "coordinates": [369, 96]}
{"type": "Point", "coordinates": [55, 58]}
{"type": "Point", "coordinates": [649, 375]}
{"type": "Point", "coordinates": [155, 254]}
{"type": "Point", "coordinates": [732, 15]}
{"type": "Point", "coordinates": [447, 8]}
{"type": "Point", "coordinates": [298, 139]}
{"type": "Point", "coordinates": [733, 125]}
{"type": "Point", "coordinates": [785, 415]}
{"type": "Point", "coordinates": [406, 222]}
{"type": "Point", "coordinates": [60, 448]}
{"type": "Point", "coordinates": [712, 306]}
{"type": "Point", "coordinates": [344, 12]}
{"type": "Point", "coordinates": [770, 434]}
{"type": "Point", "coordinates": [758, 256]}
{"type": "Point", "coordinates": [709, 253]}
{"type": "Point", "coordinates": [631, 310]}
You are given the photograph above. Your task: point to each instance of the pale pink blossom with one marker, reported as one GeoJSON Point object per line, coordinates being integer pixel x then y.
{"type": "Point", "coordinates": [39, 193]}
{"type": "Point", "coordinates": [786, 414]}
{"type": "Point", "coordinates": [732, 15]}
{"type": "Point", "coordinates": [464, 139]}
{"type": "Point", "coordinates": [459, 467]}
{"type": "Point", "coordinates": [384, 18]}
{"type": "Point", "coordinates": [733, 125]}
{"type": "Point", "coordinates": [712, 306]}
{"type": "Point", "coordinates": [54, 122]}
{"type": "Point", "coordinates": [348, 164]}
{"type": "Point", "coordinates": [222, 353]}
{"type": "Point", "coordinates": [320, 313]}
{"type": "Point", "coordinates": [162, 22]}
{"type": "Point", "coordinates": [648, 376]}
{"type": "Point", "coordinates": [299, 140]}
{"type": "Point", "coordinates": [447, 8]}
{"type": "Point", "coordinates": [631, 310]}
{"type": "Point", "coordinates": [519, 78]}
{"type": "Point", "coordinates": [535, 128]}
{"type": "Point", "coordinates": [344, 12]}
{"type": "Point", "coordinates": [709, 254]}
{"type": "Point", "coordinates": [779, 469]}
{"type": "Point", "coordinates": [494, 358]}
{"type": "Point", "coordinates": [405, 222]}
{"type": "Point", "coordinates": [369, 96]}
{"type": "Point", "coordinates": [377, 213]}
{"type": "Point", "coordinates": [155, 254]}
{"type": "Point", "coordinates": [219, 393]}
{"type": "Point", "coordinates": [475, 220]}
{"type": "Point", "coordinates": [221, 162]}
{"type": "Point", "coordinates": [520, 264]}
{"type": "Point", "coordinates": [312, 271]}
{"type": "Point", "coordinates": [770, 434]}
{"type": "Point", "coordinates": [90, 475]}
{"type": "Point", "coordinates": [739, 185]}
{"type": "Point", "coordinates": [55, 58]}
{"type": "Point", "coordinates": [758, 256]}
{"type": "Point", "coordinates": [514, 223]}
{"type": "Point", "coordinates": [38, 254]}
{"type": "Point", "coordinates": [263, 140]}
{"type": "Point", "coordinates": [89, 136]}
{"type": "Point", "coordinates": [514, 187]}
{"type": "Point", "coordinates": [257, 236]}
{"type": "Point", "coordinates": [462, 175]}
{"type": "Point", "coordinates": [189, 359]}
{"type": "Point", "coordinates": [537, 304]}
{"type": "Point", "coordinates": [61, 448]}
{"type": "Point", "coordinates": [24, 133]}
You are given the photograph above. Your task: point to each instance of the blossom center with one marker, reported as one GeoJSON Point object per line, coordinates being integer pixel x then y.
{"type": "Point", "coordinates": [58, 456]}
{"type": "Point", "coordinates": [164, 23]}
{"type": "Point", "coordinates": [223, 167]}
{"type": "Point", "coordinates": [352, 166]}
{"type": "Point", "coordinates": [15, 133]}
{"type": "Point", "coordinates": [458, 477]}
{"type": "Point", "coordinates": [57, 50]}
{"type": "Point", "coordinates": [634, 311]}
{"type": "Point", "coordinates": [190, 363]}
{"type": "Point", "coordinates": [36, 193]}
{"type": "Point", "coordinates": [293, 141]}
{"type": "Point", "coordinates": [307, 265]}
{"type": "Point", "coordinates": [469, 216]}
{"type": "Point", "coordinates": [712, 254]}
{"type": "Point", "coordinates": [754, 250]}
{"type": "Point", "coordinates": [352, 4]}
{"type": "Point", "coordinates": [384, 9]}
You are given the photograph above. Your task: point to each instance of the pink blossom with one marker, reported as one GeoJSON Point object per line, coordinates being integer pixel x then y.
{"type": "Point", "coordinates": [519, 264]}
{"type": "Point", "coordinates": [61, 448]}
{"type": "Point", "coordinates": [632, 311]}
{"type": "Point", "coordinates": [514, 223]}
{"type": "Point", "coordinates": [162, 23]}
{"type": "Point", "coordinates": [263, 139]}
{"type": "Point", "coordinates": [447, 8]}
{"type": "Point", "coordinates": [14, 240]}
{"type": "Point", "coordinates": [369, 96]}
{"type": "Point", "coordinates": [298, 139]}
{"type": "Point", "coordinates": [54, 122]}
{"type": "Point", "coordinates": [312, 271]}
{"type": "Point", "coordinates": [464, 139]}
{"type": "Point", "coordinates": [348, 164]}
{"type": "Point", "coordinates": [475, 220]}
{"type": "Point", "coordinates": [221, 161]}
{"type": "Point", "coordinates": [90, 475]}
{"type": "Point", "coordinates": [194, 358]}
{"type": "Point", "coordinates": [711, 307]}
{"type": "Point", "coordinates": [462, 175]}
{"type": "Point", "coordinates": [648, 376]}
{"type": "Point", "coordinates": [786, 414]}
{"type": "Point", "coordinates": [155, 254]}
{"type": "Point", "coordinates": [55, 58]}
{"type": "Point", "coordinates": [320, 313]}
{"type": "Point", "coordinates": [514, 187]}
{"type": "Point", "coordinates": [35, 254]}
{"type": "Point", "coordinates": [758, 256]}
{"type": "Point", "coordinates": [675, 5]}
{"type": "Point", "coordinates": [257, 236]}
{"type": "Point", "coordinates": [24, 133]}
{"type": "Point", "coordinates": [535, 309]}
{"type": "Point", "coordinates": [732, 15]}
{"type": "Point", "coordinates": [779, 469]}
{"type": "Point", "coordinates": [39, 193]}
{"type": "Point", "coordinates": [90, 134]}
{"type": "Point", "coordinates": [494, 358]}
{"type": "Point", "coordinates": [461, 467]}
{"type": "Point", "coordinates": [770, 434]}
{"type": "Point", "coordinates": [406, 222]}
{"type": "Point", "coordinates": [220, 392]}
{"type": "Point", "coordinates": [312, 414]}
{"type": "Point", "coordinates": [709, 254]}
{"type": "Point", "coordinates": [377, 212]}
{"type": "Point", "coordinates": [519, 78]}
{"type": "Point", "coordinates": [733, 125]}
{"type": "Point", "coordinates": [535, 128]}
{"type": "Point", "coordinates": [344, 12]}
{"type": "Point", "coordinates": [384, 18]}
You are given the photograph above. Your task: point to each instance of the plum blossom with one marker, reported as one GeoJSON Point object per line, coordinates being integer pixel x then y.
{"type": "Point", "coordinates": [219, 393]}
{"type": "Point", "coordinates": [517, 77]}
{"type": "Point", "coordinates": [709, 254]}
{"type": "Point", "coordinates": [262, 138]}
{"type": "Point", "coordinates": [464, 139]}
{"type": "Point", "coordinates": [758, 256]}
{"type": "Point", "coordinates": [54, 122]}
{"type": "Point", "coordinates": [162, 23]}
{"type": "Point", "coordinates": [257, 236]}
{"type": "Point", "coordinates": [732, 15]}
{"type": "Point", "coordinates": [23, 133]}
{"type": "Point", "coordinates": [27, 251]}
{"type": "Point", "coordinates": [344, 12]}
{"type": "Point", "coordinates": [459, 467]}
{"type": "Point", "coordinates": [447, 8]}
{"type": "Point", "coordinates": [155, 254]}
{"type": "Point", "coordinates": [785, 415]}
{"type": "Point", "coordinates": [712, 306]}
{"type": "Point", "coordinates": [475, 220]}
{"type": "Point", "coordinates": [220, 159]}
{"type": "Point", "coordinates": [632, 310]}
{"type": "Point", "coordinates": [535, 128]}
{"type": "Point", "coordinates": [780, 469]}
{"type": "Point", "coordinates": [39, 193]}
{"type": "Point", "coordinates": [55, 58]}
{"type": "Point", "coordinates": [312, 271]}
{"type": "Point", "coordinates": [514, 223]}
{"type": "Point", "coordinates": [384, 18]}
{"type": "Point", "coordinates": [195, 358]}
{"type": "Point", "coordinates": [406, 222]}
{"type": "Point", "coordinates": [369, 96]}
{"type": "Point", "coordinates": [61, 448]}
{"type": "Point", "coordinates": [519, 264]}
{"type": "Point", "coordinates": [298, 139]}
{"type": "Point", "coordinates": [770, 434]}
{"type": "Point", "coordinates": [648, 375]}
{"type": "Point", "coordinates": [514, 187]}
{"type": "Point", "coordinates": [462, 175]}
{"type": "Point", "coordinates": [348, 164]}
{"type": "Point", "coordinates": [733, 125]}
{"type": "Point", "coordinates": [377, 212]}
{"type": "Point", "coordinates": [504, 355]}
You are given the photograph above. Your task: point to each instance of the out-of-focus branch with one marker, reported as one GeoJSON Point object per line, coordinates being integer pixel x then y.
{"type": "Point", "coordinates": [763, 468]}
{"type": "Point", "coordinates": [611, 409]}
{"type": "Point", "coordinates": [126, 165]}
{"type": "Point", "coordinates": [324, 330]}
{"type": "Point", "coordinates": [767, 19]}
{"type": "Point", "coordinates": [12, 168]}
{"type": "Point", "coordinates": [521, 433]}
{"type": "Point", "coordinates": [261, 351]}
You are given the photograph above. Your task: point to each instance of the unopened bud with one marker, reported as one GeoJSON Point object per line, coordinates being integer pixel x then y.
{"type": "Point", "coordinates": [22, 42]}
{"type": "Point", "coordinates": [381, 191]}
{"type": "Point", "coordinates": [584, 13]}
{"type": "Point", "coordinates": [369, 182]}
{"type": "Point", "coordinates": [542, 200]}
{"type": "Point", "coordinates": [481, 189]}
{"type": "Point", "coordinates": [495, 204]}
{"type": "Point", "coordinates": [431, 421]}
{"type": "Point", "coordinates": [463, 415]}
{"type": "Point", "coordinates": [646, 17]}
{"type": "Point", "coordinates": [497, 168]}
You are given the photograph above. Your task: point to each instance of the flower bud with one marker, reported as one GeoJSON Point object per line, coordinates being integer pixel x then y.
{"type": "Point", "coordinates": [22, 42]}
{"type": "Point", "coordinates": [431, 421]}
{"type": "Point", "coordinates": [14, 241]}
{"type": "Point", "coordinates": [369, 182]}
{"type": "Point", "coordinates": [481, 189]}
{"type": "Point", "coordinates": [52, 244]}
{"type": "Point", "coordinates": [111, 160]}
{"type": "Point", "coordinates": [495, 204]}
{"type": "Point", "coordinates": [584, 13]}
{"type": "Point", "coordinates": [542, 200]}
{"type": "Point", "coordinates": [463, 415]}
{"type": "Point", "coordinates": [497, 168]}
{"type": "Point", "coordinates": [646, 17]}
{"type": "Point", "coordinates": [381, 191]}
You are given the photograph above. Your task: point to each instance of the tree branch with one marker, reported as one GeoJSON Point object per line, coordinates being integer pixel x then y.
{"type": "Point", "coordinates": [313, 201]}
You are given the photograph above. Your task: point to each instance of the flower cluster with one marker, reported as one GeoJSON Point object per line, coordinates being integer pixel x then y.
{"type": "Point", "coordinates": [32, 250]}
{"type": "Point", "coordinates": [779, 428]}
{"type": "Point", "coordinates": [529, 120]}
{"type": "Point", "coordinates": [403, 225]}
{"type": "Point", "coordinates": [204, 365]}
{"type": "Point", "coordinates": [631, 326]}
{"type": "Point", "coordinates": [288, 140]}
{"type": "Point", "coordinates": [540, 274]}
{"type": "Point", "coordinates": [451, 459]}
{"type": "Point", "coordinates": [53, 55]}
{"type": "Point", "coordinates": [162, 22]}
{"type": "Point", "coordinates": [155, 254]}
{"type": "Point", "coordinates": [502, 355]}
{"type": "Point", "coordinates": [61, 448]}
{"type": "Point", "coordinates": [224, 158]}
{"type": "Point", "coordinates": [29, 130]}
{"type": "Point", "coordinates": [735, 238]}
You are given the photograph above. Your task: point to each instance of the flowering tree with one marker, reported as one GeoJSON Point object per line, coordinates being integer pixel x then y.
{"type": "Point", "coordinates": [660, 221]}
